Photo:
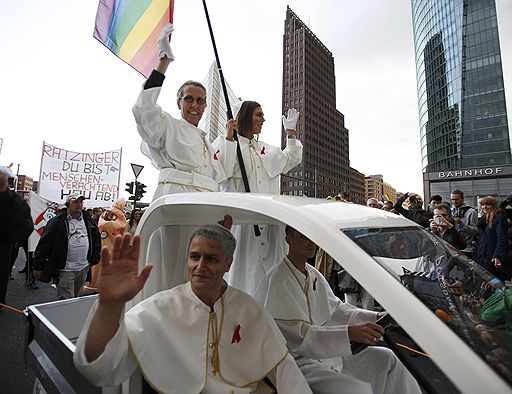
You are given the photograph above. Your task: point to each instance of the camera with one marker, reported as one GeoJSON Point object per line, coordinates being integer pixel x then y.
{"type": "Point", "coordinates": [438, 220]}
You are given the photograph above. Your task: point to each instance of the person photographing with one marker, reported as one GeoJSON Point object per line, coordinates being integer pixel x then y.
{"type": "Point", "coordinates": [443, 225]}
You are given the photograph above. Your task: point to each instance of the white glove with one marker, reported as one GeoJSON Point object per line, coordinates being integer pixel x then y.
{"type": "Point", "coordinates": [290, 121]}
{"type": "Point", "coordinates": [164, 47]}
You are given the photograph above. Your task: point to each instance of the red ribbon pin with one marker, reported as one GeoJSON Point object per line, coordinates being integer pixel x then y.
{"type": "Point", "coordinates": [314, 283]}
{"type": "Point", "coordinates": [215, 155]}
{"type": "Point", "coordinates": [262, 151]}
{"type": "Point", "coordinates": [236, 335]}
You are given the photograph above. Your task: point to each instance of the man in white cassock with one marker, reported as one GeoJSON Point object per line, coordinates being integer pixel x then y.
{"type": "Point", "coordinates": [199, 337]}
{"type": "Point", "coordinates": [318, 328]}
{"type": "Point", "coordinates": [183, 155]}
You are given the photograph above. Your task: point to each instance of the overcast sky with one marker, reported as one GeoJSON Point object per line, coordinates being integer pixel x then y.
{"type": "Point", "coordinates": [63, 87]}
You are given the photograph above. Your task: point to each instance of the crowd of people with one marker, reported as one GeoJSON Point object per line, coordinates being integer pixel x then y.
{"type": "Point", "coordinates": [481, 234]}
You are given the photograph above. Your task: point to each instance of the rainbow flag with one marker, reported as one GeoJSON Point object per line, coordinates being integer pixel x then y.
{"type": "Point", "coordinates": [386, 197]}
{"type": "Point", "coordinates": [129, 28]}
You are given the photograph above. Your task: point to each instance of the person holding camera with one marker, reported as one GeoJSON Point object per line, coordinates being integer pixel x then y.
{"type": "Point", "coordinates": [416, 212]}
{"type": "Point", "coordinates": [443, 225]}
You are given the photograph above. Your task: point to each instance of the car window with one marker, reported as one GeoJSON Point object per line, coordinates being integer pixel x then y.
{"type": "Point", "coordinates": [471, 301]}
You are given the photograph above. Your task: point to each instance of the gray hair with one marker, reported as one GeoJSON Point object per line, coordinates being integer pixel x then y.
{"type": "Point", "coordinates": [179, 95]}
{"type": "Point", "coordinates": [217, 233]}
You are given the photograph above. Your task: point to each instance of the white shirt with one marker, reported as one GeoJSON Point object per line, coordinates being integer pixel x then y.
{"type": "Point", "coordinates": [78, 244]}
{"type": "Point", "coordinates": [263, 163]}
{"type": "Point", "coordinates": [183, 347]}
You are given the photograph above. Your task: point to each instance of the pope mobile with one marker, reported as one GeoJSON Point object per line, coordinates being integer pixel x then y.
{"type": "Point", "coordinates": [432, 291]}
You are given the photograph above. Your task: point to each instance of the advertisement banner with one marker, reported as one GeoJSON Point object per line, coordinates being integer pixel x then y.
{"type": "Point", "coordinates": [94, 175]}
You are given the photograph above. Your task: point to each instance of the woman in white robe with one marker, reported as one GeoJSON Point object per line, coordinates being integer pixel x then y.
{"type": "Point", "coordinates": [263, 163]}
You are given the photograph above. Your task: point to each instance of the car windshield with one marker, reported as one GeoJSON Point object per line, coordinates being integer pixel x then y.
{"type": "Point", "coordinates": [474, 304]}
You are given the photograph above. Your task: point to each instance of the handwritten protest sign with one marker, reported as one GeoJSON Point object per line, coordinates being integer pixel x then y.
{"type": "Point", "coordinates": [94, 175]}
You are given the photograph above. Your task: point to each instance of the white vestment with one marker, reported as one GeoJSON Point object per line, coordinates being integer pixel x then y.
{"type": "Point", "coordinates": [315, 324]}
{"type": "Point", "coordinates": [181, 346]}
{"type": "Point", "coordinates": [180, 150]}
{"type": "Point", "coordinates": [263, 163]}
{"type": "Point", "coordinates": [187, 163]}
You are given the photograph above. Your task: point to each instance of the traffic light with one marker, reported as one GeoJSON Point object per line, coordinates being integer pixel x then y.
{"type": "Point", "coordinates": [139, 190]}
{"type": "Point", "coordinates": [129, 188]}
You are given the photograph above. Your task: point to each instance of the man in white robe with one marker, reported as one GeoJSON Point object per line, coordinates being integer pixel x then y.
{"type": "Point", "coordinates": [318, 328]}
{"type": "Point", "coordinates": [199, 337]}
{"type": "Point", "coordinates": [264, 164]}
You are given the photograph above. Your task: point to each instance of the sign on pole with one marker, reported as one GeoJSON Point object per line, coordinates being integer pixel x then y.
{"type": "Point", "coordinates": [137, 169]}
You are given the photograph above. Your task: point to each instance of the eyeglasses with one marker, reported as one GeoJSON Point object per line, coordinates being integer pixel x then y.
{"type": "Point", "coordinates": [190, 100]}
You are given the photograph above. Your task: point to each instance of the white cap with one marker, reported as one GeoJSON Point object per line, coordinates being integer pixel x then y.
{"type": "Point", "coordinates": [74, 196]}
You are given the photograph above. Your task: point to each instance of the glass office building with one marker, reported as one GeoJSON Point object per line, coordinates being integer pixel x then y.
{"type": "Point", "coordinates": [461, 98]}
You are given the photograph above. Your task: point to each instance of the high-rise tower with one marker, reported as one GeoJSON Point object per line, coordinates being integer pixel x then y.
{"type": "Point", "coordinates": [309, 85]}
{"type": "Point", "coordinates": [463, 118]}
{"type": "Point", "coordinates": [214, 117]}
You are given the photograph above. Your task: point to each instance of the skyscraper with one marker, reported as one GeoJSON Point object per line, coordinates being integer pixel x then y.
{"type": "Point", "coordinates": [463, 118]}
{"type": "Point", "coordinates": [214, 117]}
{"type": "Point", "coordinates": [309, 85]}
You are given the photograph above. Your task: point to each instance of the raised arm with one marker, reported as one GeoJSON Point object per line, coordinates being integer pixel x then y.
{"type": "Point", "coordinates": [118, 282]}
{"type": "Point", "coordinates": [148, 114]}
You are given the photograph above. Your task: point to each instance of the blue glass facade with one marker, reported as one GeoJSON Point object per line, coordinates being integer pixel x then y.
{"type": "Point", "coordinates": [461, 98]}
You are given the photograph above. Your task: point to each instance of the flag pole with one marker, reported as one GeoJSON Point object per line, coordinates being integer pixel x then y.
{"type": "Point", "coordinates": [229, 113]}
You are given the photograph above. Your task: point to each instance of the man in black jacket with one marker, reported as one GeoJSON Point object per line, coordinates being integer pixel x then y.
{"type": "Point", "coordinates": [15, 226]}
{"type": "Point", "coordinates": [70, 244]}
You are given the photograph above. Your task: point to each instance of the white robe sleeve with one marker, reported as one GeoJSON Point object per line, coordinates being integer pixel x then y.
{"type": "Point", "coordinates": [151, 120]}
{"type": "Point", "coordinates": [287, 377]}
{"type": "Point", "coordinates": [317, 342]}
{"type": "Point", "coordinates": [293, 152]}
{"type": "Point", "coordinates": [115, 365]}
{"type": "Point", "coordinates": [351, 315]}
{"type": "Point", "coordinates": [225, 151]}
{"type": "Point", "coordinates": [277, 161]}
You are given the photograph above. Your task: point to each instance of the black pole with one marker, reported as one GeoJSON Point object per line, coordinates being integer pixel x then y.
{"type": "Point", "coordinates": [230, 114]}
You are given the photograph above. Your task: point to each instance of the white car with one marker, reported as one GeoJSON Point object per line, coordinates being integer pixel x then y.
{"type": "Point", "coordinates": [432, 291]}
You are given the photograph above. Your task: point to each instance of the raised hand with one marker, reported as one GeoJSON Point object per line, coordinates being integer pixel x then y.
{"type": "Point", "coordinates": [162, 42]}
{"type": "Point", "coordinates": [290, 121]}
{"type": "Point", "coordinates": [119, 280]}
{"type": "Point", "coordinates": [231, 126]}
{"type": "Point", "coordinates": [226, 222]}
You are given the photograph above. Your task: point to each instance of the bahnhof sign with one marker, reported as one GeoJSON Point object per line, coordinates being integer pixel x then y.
{"type": "Point", "coordinates": [474, 182]}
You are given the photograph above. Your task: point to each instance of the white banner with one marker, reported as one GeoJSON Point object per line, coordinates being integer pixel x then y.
{"type": "Point", "coordinates": [42, 211]}
{"type": "Point", "coordinates": [94, 175]}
